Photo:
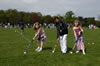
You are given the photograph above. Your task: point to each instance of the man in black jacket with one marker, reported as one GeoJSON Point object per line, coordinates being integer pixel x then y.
{"type": "Point", "coordinates": [62, 32]}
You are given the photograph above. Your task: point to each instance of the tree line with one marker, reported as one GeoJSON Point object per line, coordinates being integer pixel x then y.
{"type": "Point", "coordinates": [14, 16]}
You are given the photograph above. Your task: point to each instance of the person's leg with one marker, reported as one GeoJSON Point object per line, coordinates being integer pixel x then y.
{"type": "Point", "coordinates": [78, 46]}
{"type": "Point", "coordinates": [22, 30]}
{"type": "Point", "coordinates": [61, 43]}
{"type": "Point", "coordinates": [64, 44]}
{"type": "Point", "coordinates": [82, 47]}
{"type": "Point", "coordinates": [38, 44]}
{"type": "Point", "coordinates": [41, 46]}
{"type": "Point", "coordinates": [83, 51]}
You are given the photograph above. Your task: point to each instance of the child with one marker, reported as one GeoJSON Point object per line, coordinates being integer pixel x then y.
{"type": "Point", "coordinates": [41, 37]}
{"type": "Point", "coordinates": [79, 37]}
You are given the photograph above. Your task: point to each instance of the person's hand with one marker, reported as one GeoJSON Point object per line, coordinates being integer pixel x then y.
{"type": "Point", "coordinates": [33, 38]}
{"type": "Point", "coordinates": [76, 38]}
{"type": "Point", "coordinates": [60, 30]}
{"type": "Point", "coordinates": [80, 33]}
{"type": "Point", "coordinates": [58, 39]}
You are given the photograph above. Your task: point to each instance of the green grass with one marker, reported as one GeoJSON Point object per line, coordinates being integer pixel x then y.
{"type": "Point", "coordinates": [12, 46]}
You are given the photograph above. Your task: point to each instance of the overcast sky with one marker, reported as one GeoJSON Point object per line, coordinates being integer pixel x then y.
{"type": "Point", "coordinates": [86, 8]}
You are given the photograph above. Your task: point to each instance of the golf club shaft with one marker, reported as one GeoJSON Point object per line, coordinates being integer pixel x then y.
{"type": "Point", "coordinates": [74, 46]}
{"type": "Point", "coordinates": [55, 47]}
{"type": "Point", "coordinates": [28, 46]}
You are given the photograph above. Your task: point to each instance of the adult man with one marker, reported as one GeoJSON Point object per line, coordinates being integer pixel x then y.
{"type": "Point", "coordinates": [62, 32]}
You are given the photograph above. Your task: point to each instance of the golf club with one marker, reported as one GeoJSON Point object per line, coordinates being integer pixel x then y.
{"type": "Point", "coordinates": [27, 47]}
{"type": "Point", "coordinates": [55, 47]}
{"type": "Point", "coordinates": [73, 47]}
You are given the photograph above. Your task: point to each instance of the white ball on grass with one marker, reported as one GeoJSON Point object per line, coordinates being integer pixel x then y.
{"type": "Point", "coordinates": [15, 31]}
{"type": "Point", "coordinates": [24, 52]}
{"type": "Point", "coordinates": [71, 52]}
{"type": "Point", "coordinates": [52, 51]}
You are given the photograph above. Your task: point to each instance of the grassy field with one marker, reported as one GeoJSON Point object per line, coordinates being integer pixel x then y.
{"type": "Point", "coordinates": [13, 44]}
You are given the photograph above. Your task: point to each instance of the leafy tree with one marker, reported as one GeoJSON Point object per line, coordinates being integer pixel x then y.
{"type": "Point", "coordinates": [82, 21]}
{"type": "Point", "coordinates": [35, 18]}
{"type": "Point", "coordinates": [62, 18]}
{"type": "Point", "coordinates": [13, 16]}
{"type": "Point", "coordinates": [3, 18]}
{"type": "Point", "coordinates": [97, 23]}
{"type": "Point", "coordinates": [69, 16]}
{"type": "Point", "coordinates": [90, 20]}
{"type": "Point", "coordinates": [27, 18]}
{"type": "Point", "coordinates": [48, 19]}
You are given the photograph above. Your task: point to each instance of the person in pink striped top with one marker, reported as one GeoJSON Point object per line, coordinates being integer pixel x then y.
{"type": "Point", "coordinates": [79, 39]}
{"type": "Point", "coordinates": [40, 35]}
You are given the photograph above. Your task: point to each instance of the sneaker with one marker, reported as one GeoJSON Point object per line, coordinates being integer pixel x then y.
{"type": "Point", "coordinates": [83, 53]}
{"type": "Point", "coordinates": [39, 50]}
{"type": "Point", "coordinates": [77, 51]}
{"type": "Point", "coordinates": [64, 53]}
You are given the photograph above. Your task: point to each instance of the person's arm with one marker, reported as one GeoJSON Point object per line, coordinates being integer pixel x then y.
{"type": "Point", "coordinates": [58, 34]}
{"type": "Point", "coordinates": [75, 34]}
{"type": "Point", "coordinates": [37, 33]}
{"type": "Point", "coordinates": [81, 30]}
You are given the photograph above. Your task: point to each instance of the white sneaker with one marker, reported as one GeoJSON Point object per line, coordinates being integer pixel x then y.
{"type": "Point", "coordinates": [83, 52]}
{"type": "Point", "coordinates": [39, 50]}
{"type": "Point", "coordinates": [77, 51]}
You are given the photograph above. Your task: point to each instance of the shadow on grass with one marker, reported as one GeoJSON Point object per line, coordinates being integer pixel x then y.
{"type": "Point", "coordinates": [50, 48]}
{"type": "Point", "coordinates": [69, 49]}
{"type": "Point", "coordinates": [47, 48]}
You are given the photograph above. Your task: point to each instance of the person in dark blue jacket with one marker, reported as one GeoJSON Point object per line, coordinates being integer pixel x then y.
{"type": "Point", "coordinates": [62, 32]}
{"type": "Point", "coordinates": [22, 28]}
